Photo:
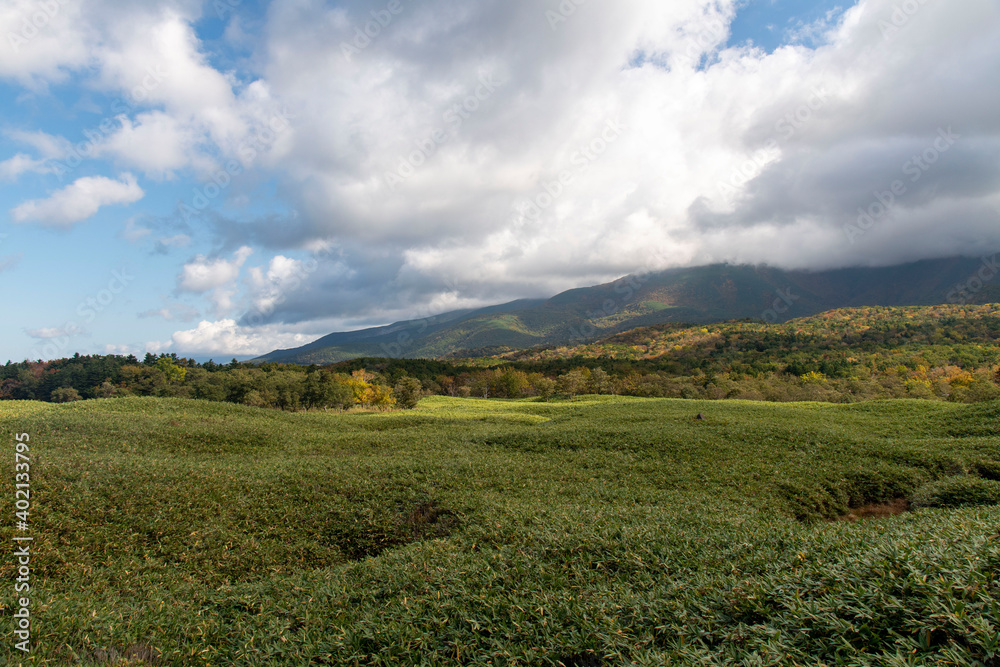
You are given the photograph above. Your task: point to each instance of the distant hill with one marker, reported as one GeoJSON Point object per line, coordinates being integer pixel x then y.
{"type": "Point", "coordinates": [695, 295]}
{"type": "Point", "coordinates": [963, 335]}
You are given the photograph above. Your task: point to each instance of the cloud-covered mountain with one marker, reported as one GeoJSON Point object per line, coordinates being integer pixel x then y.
{"type": "Point", "coordinates": [693, 295]}
{"type": "Point", "coordinates": [426, 157]}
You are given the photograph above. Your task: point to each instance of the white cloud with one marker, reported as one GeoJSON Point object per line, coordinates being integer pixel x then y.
{"type": "Point", "coordinates": [224, 300]}
{"type": "Point", "coordinates": [48, 333]}
{"type": "Point", "coordinates": [13, 167]}
{"type": "Point", "coordinates": [50, 147]}
{"type": "Point", "coordinates": [173, 110]}
{"type": "Point", "coordinates": [204, 274]}
{"type": "Point", "coordinates": [79, 201]}
{"type": "Point", "coordinates": [41, 40]}
{"type": "Point", "coordinates": [724, 154]}
{"type": "Point", "coordinates": [225, 337]}
{"type": "Point", "coordinates": [283, 274]}
{"type": "Point", "coordinates": [201, 118]}
{"type": "Point", "coordinates": [156, 143]}
{"type": "Point", "coordinates": [816, 131]}
{"type": "Point", "coordinates": [133, 233]}
{"type": "Point", "coordinates": [174, 310]}
{"type": "Point", "coordinates": [165, 313]}
{"type": "Point", "coordinates": [164, 65]}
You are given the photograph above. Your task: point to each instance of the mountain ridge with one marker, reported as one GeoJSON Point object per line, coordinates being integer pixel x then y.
{"type": "Point", "coordinates": [692, 295]}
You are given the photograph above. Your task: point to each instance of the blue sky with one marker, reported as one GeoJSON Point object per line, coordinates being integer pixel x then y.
{"type": "Point", "coordinates": [178, 179]}
{"type": "Point", "coordinates": [770, 24]}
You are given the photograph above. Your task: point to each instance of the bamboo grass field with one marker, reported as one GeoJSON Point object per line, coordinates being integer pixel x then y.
{"type": "Point", "coordinates": [594, 531]}
{"type": "Point", "coordinates": [500, 333]}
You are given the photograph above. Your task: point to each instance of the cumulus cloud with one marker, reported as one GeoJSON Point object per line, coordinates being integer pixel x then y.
{"type": "Point", "coordinates": [41, 40]}
{"type": "Point", "coordinates": [472, 153]}
{"type": "Point", "coordinates": [204, 274]}
{"type": "Point", "coordinates": [79, 201]}
{"type": "Point", "coordinates": [13, 167]}
{"type": "Point", "coordinates": [155, 142]}
{"type": "Point", "coordinates": [172, 111]}
{"type": "Point", "coordinates": [282, 275]}
{"type": "Point", "coordinates": [49, 146]}
{"type": "Point", "coordinates": [49, 333]}
{"type": "Point", "coordinates": [628, 137]}
{"type": "Point", "coordinates": [225, 337]}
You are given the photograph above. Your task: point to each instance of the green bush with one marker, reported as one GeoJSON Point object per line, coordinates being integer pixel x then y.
{"type": "Point", "coordinates": [408, 393]}
{"type": "Point", "coordinates": [65, 395]}
{"type": "Point", "coordinates": [958, 491]}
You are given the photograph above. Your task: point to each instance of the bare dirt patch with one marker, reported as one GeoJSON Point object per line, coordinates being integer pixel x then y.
{"type": "Point", "coordinates": [877, 510]}
{"type": "Point", "coordinates": [138, 654]}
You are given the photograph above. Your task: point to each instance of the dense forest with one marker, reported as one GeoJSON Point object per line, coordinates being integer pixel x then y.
{"type": "Point", "coordinates": [942, 352]}
{"type": "Point", "coordinates": [284, 387]}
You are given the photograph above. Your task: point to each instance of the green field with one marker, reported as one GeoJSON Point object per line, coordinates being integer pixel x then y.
{"type": "Point", "coordinates": [598, 531]}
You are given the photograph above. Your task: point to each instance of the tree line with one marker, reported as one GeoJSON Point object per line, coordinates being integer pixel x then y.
{"type": "Point", "coordinates": [271, 386]}
{"type": "Point", "coordinates": [941, 352]}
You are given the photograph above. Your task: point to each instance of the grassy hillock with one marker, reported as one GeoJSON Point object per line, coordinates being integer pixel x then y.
{"type": "Point", "coordinates": [597, 531]}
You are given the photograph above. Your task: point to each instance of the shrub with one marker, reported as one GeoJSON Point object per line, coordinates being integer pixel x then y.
{"type": "Point", "coordinates": [104, 390]}
{"type": "Point", "coordinates": [958, 491]}
{"type": "Point", "coordinates": [65, 395]}
{"type": "Point", "coordinates": [982, 391]}
{"type": "Point", "coordinates": [408, 392]}
{"type": "Point", "coordinates": [571, 383]}
{"type": "Point", "coordinates": [545, 387]}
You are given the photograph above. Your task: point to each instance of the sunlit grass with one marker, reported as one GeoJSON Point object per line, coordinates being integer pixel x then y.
{"type": "Point", "coordinates": [602, 530]}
